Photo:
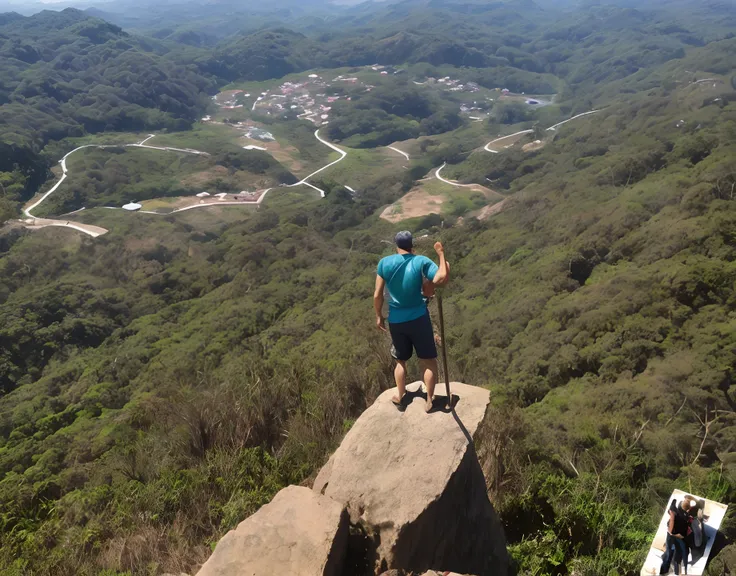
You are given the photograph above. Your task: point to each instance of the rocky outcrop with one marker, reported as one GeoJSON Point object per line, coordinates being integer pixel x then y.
{"type": "Point", "coordinates": [300, 533]}
{"type": "Point", "coordinates": [414, 488]}
{"type": "Point", "coordinates": [403, 495]}
{"type": "Point", "coordinates": [430, 573]}
{"type": "Point", "coordinates": [433, 573]}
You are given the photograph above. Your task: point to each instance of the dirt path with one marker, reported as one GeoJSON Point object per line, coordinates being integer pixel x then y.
{"type": "Point", "coordinates": [452, 182]}
{"type": "Point", "coordinates": [340, 159]}
{"type": "Point", "coordinates": [414, 204]}
{"type": "Point", "coordinates": [553, 128]}
{"type": "Point", "coordinates": [516, 135]}
{"type": "Point", "coordinates": [93, 231]}
{"type": "Point", "coordinates": [399, 151]}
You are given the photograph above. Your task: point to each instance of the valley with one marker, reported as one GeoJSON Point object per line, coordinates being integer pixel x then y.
{"type": "Point", "coordinates": [286, 106]}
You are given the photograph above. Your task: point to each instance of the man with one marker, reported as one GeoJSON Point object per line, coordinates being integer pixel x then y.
{"type": "Point", "coordinates": [411, 328]}
{"type": "Point", "coordinates": [677, 532]}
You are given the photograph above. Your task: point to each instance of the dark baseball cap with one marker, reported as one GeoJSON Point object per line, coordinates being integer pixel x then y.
{"type": "Point", "coordinates": [404, 240]}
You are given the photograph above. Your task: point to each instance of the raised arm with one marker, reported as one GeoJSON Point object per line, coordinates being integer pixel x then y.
{"type": "Point", "coordinates": [378, 303]}
{"type": "Point", "coordinates": [442, 276]}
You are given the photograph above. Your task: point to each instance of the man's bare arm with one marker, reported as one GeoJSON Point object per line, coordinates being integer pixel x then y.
{"type": "Point", "coordinates": [442, 276]}
{"type": "Point", "coordinates": [378, 303]}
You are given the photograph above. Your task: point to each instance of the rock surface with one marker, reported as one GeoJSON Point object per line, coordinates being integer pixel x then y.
{"type": "Point", "coordinates": [413, 483]}
{"type": "Point", "coordinates": [433, 573]}
{"type": "Point", "coordinates": [300, 533]}
{"type": "Point", "coordinates": [430, 573]}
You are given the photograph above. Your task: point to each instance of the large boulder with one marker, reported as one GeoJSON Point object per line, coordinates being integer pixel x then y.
{"type": "Point", "coordinates": [430, 573]}
{"type": "Point", "coordinates": [300, 533]}
{"type": "Point", "coordinates": [414, 488]}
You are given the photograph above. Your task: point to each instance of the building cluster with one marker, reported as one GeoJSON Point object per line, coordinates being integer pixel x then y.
{"type": "Point", "coordinates": [306, 100]}
{"type": "Point", "coordinates": [313, 97]}
{"type": "Point", "coordinates": [452, 85]}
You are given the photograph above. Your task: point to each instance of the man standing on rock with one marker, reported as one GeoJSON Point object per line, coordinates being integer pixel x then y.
{"type": "Point", "coordinates": [408, 318]}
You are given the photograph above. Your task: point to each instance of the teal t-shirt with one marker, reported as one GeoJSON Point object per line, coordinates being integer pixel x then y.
{"type": "Point", "coordinates": [404, 274]}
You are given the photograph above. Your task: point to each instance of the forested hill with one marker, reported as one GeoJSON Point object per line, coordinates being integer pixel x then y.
{"type": "Point", "coordinates": [81, 73]}
{"type": "Point", "coordinates": [487, 35]}
{"type": "Point", "coordinates": [66, 74]}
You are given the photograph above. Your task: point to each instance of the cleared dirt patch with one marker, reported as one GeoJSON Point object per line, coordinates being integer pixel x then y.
{"type": "Point", "coordinates": [227, 95]}
{"type": "Point", "coordinates": [489, 211]}
{"type": "Point", "coordinates": [532, 146]}
{"type": "Point", "coordinates": [432, 196]}
{"type": "Point", "coordinates": [415, 204]}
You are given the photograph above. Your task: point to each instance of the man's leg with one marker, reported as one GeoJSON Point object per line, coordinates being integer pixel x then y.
{"type": "Point", "coordinates": [400, 377]}
{"type": "Point", "coordinates": [680, 555]}
{"type": "Point", "coordinates": [684, 552]}
{"type": "Point", "coordinates": [401, 352]}
{"type": "Point", "coordinates": [424, 344]}
{"type": "Point", "coordinates": [429, 376]}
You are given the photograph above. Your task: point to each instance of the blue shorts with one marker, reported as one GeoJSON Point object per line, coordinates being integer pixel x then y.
{"type": "Point", "coordinates": [416, 334]}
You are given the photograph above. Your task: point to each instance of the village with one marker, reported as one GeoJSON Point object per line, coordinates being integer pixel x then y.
{"type": "Point", "coordinates": [309, 99]}
{"type": "Point", "coordinates": [312, 98]}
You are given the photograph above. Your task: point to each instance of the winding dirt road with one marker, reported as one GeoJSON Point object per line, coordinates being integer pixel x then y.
{"type": "Point", "coordinates": [94, 231]}
{"type": "Point", "coordinates": [553, 128]}
{"type": "Point", "coordinates": [497, 141]}
{"type": "Point", "coordinates": [399, 151]}
{"type": "Point", "coordinates": [452, 182]}
{"type": "Point", "coordinates": [340, 159]}
{"type": "Point", "coordinates": [65, 171]}
{"type": "Point", "coordinates": [550, 129]}
{"type": "Point", "coordinates": [489, 149]}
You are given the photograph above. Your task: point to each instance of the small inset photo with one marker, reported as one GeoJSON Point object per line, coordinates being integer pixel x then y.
{"type": "Point", "coordinates": [685, 535]}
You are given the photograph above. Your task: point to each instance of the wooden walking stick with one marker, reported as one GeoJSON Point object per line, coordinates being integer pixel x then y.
{"type": "Point", "coordinates": [444, 349]}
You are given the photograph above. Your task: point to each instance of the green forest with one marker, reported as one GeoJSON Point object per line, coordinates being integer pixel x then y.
{"type": "Point", "coordinates": [69, 73]}
{"type": "Point", "coordinates": [160, 383]}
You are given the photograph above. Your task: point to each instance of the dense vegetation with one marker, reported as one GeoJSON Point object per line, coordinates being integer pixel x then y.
{"type": "Point", "coordinates": [161, 382]}
{"type": "Point", "coordinates": [392, 111]}
{"type": "Point", "coordinates": [65, 74]}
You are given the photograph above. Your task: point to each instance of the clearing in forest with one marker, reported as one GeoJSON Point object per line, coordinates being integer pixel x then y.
{"type": "Point", "coordinates": [183, 203]}
{"type": "Point", "coordinates": [431, 196]}
{"type": "Point", "coordinates": [533, 146]}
